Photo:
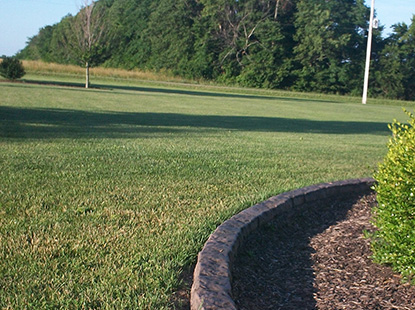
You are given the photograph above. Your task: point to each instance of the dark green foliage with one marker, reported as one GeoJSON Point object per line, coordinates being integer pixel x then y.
{"type": "Point", "coordinates": [169, 34]}
{"type": "Point", "coordinates": [306, 45]}
{"type": "Point", "coordinates": [394, 242]}
{"type": "Point", "coordinates": [129, 21]}
{"type": "Point", "coordinates": [11, 68]}
{"type": "Point", "coordinates": [331, 44]}
{"type": "Point", "coordinates": [396, 77]}
{"type": "Point", "coordinates": [267, 64]}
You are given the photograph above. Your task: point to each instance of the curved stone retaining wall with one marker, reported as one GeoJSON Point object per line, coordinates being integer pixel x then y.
{"type": "Point", "coordinates": [212, 276]}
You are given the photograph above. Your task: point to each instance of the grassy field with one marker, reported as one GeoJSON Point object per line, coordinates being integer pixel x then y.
{"type": "Point", "coordinates": [108, 194]}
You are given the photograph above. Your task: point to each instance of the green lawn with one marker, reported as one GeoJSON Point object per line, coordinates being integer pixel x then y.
{"type": "Point", "coordinates": [107, 194]}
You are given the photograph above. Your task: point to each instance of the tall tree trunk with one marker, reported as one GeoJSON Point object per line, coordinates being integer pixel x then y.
{"type": "Point", "coordinates": [87, 75]}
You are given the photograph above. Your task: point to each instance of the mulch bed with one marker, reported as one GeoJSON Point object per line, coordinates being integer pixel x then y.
{"type": "Point", "coordinates": [317, 259]}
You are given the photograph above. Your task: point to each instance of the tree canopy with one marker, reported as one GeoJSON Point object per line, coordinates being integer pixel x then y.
{"type": "Point", "coordinates": [306, 45]}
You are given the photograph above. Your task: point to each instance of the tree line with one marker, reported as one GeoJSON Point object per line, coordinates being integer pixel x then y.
{"type": "Point", "coordinates": [302, 45]}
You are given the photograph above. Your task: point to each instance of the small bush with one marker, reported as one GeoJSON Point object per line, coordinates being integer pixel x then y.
{"type": "Point", "coordinates": [11, 68]}
{"type": "Point", "coordinates": [394, 242]}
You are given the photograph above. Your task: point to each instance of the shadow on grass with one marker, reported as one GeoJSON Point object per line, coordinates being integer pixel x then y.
{"type": "Point", "coordinates": [63, 123]}
{"type": "Point", "coordinates": [169, 91]}
{"type": "Point", "coordinates": [206, 93]}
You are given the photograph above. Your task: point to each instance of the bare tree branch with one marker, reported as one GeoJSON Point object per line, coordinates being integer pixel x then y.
{"type": "Point", "coordinates": [277, 4]}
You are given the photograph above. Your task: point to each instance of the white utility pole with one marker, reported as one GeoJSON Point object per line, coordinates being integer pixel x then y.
{"type": "Point", "coordinates": [368, 52]}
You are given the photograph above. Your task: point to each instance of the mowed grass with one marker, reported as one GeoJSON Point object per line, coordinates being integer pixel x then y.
{"type": "Point", "coordinates": [107, 195]}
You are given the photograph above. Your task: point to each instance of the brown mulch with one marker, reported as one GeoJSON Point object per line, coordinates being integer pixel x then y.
{"type": "Point", "coordinates": [317, 259]}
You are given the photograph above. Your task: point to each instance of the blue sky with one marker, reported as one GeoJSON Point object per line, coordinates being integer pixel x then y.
{"type": "Point", "coordinates": [22, 19]}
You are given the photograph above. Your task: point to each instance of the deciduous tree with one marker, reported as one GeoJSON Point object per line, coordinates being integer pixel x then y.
{"type": "Point", "coordinates": [87, 37]}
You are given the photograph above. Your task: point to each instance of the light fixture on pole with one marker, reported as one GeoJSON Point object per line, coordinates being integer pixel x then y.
{"type": "Point", "coordinates": [368, 52]}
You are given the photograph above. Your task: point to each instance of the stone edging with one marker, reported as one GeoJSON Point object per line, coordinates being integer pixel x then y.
{"type": "Point", "coordinates": [212, 276]}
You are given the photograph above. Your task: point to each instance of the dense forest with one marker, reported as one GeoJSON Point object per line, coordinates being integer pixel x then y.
{"type": "Point", "coordinates": [303, 45]}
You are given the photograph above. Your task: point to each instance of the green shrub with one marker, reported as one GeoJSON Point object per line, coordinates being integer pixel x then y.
{"type": "Point", "coordinates": [394, 242]}
{"type": "Point", "coordinates": [11, 68]}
